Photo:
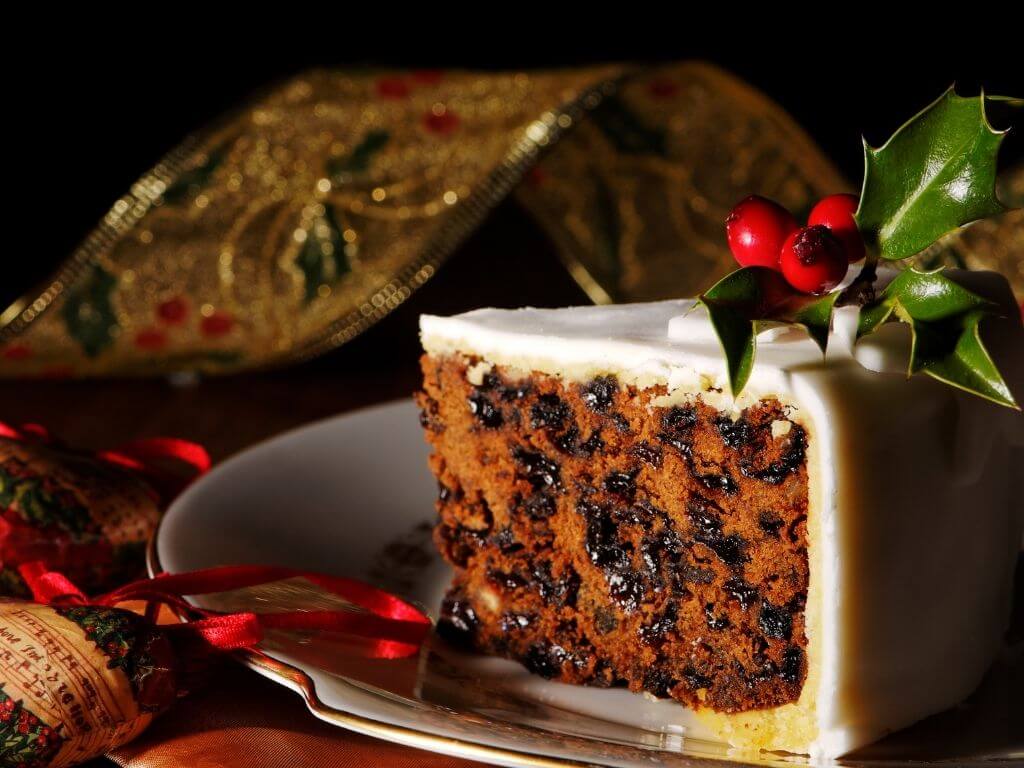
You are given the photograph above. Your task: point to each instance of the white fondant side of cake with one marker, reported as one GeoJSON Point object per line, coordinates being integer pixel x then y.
{"type": "Point", "coordinates": [918, 486]}
{"type": "Point", "coordinates": [919, 548]}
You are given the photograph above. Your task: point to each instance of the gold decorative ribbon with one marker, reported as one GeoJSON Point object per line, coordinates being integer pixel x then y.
{"type": "Point", "coordinates": [297, 222]}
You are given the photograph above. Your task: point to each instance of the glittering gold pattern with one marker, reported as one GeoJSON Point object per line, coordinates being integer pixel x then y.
{"type": "Point", "coordinates": [299, 221]}
{"type": "Point", "coordinates": [636, 197]}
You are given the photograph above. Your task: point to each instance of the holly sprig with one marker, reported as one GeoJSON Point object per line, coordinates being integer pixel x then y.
{"type": "Point", "coordinates": [936, 173]}
{"type": "Point", "coordinates": [753, 299]}
{"type": "Point", "coordinates": [944, 318]}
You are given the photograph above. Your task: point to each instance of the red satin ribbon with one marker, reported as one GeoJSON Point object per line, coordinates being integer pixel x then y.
{"type": "Point", "coordinates": [144, 457]}
{"type": "Point", "coordinates": [395, 627]}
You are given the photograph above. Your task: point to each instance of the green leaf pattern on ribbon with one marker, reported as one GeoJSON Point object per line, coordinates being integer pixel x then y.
{"type": "Point", "coordinates": [340, 168]}
{"type": "Point", "coordinates": [626, 130]}
{"type": "Point", "coordinates": [322, 258]}
{"type": "Point", "coordinates": [607, 231]}
{"type": "Point", "coordinates": [192, 180]}
{"type": "Point", "coordinates": [43, 502]}
{"type": "Point", "coordinates": [88, 312]}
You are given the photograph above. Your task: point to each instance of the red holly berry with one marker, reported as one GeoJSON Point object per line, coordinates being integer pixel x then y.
{"type": "Point", "coordinates": [836, 213]}
{"type": "Point", "coordinates": [756, 229]}
{"type": "Point", "coordinates": [172, 311]}
{"type": "Point", "coordinates": [813, 260]}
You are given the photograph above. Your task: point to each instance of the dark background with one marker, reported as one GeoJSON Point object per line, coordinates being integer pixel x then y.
{"type": "Point", "coordinates": [96, 110]}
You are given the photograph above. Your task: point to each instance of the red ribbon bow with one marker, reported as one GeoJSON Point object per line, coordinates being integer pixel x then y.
{"type": "Point", "coordinates": [395, 627]}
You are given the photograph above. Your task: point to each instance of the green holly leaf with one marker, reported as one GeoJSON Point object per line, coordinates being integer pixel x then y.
{"type": "Point", "coordinates": [88, 313]}
{"type": "Point", "coordinates": [322, 257]}
{"type": "Point", "coordinates": [358, 160]}
{"type": "Point", "coordinates": [937, 172]}
{"type": "Point", "coordinates": [814, 315]}
{"type": "Point", "coordinates": [944, 318]}
{"type": "Point", "coordinates": [749, 300]}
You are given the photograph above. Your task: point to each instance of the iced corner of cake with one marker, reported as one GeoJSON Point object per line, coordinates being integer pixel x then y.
{"type": "Point", "coordinates": [795, 565]}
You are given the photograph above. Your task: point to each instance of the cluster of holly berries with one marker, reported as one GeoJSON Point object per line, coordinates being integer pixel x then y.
{"type": "Point", "coordinates": [813, 259]}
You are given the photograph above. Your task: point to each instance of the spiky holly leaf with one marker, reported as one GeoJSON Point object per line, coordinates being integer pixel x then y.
{"type": "Point", "coordinates": [944, 318]}
{"type": "Point", "coordinates": [937, 172]}
{"type": "Point", "coordinates": [747, 301]}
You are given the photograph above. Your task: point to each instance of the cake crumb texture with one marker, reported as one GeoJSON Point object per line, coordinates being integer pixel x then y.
{"type": "Point", "coordinates": [601, 540]}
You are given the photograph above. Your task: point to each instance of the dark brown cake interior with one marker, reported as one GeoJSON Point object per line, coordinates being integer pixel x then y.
{"type": "Point", "coordinates": [601, 540]}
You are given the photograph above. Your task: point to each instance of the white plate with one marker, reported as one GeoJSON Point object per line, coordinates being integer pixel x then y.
{"type": "Point", "coordinates": [352, 496]}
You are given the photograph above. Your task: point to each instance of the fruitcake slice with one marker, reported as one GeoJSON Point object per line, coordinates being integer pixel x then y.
{"type": "Point", "coordinates": [615, 518]}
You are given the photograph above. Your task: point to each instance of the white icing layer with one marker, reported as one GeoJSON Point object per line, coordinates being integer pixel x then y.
{"type": "Point", "coordinates": [916, 486]}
